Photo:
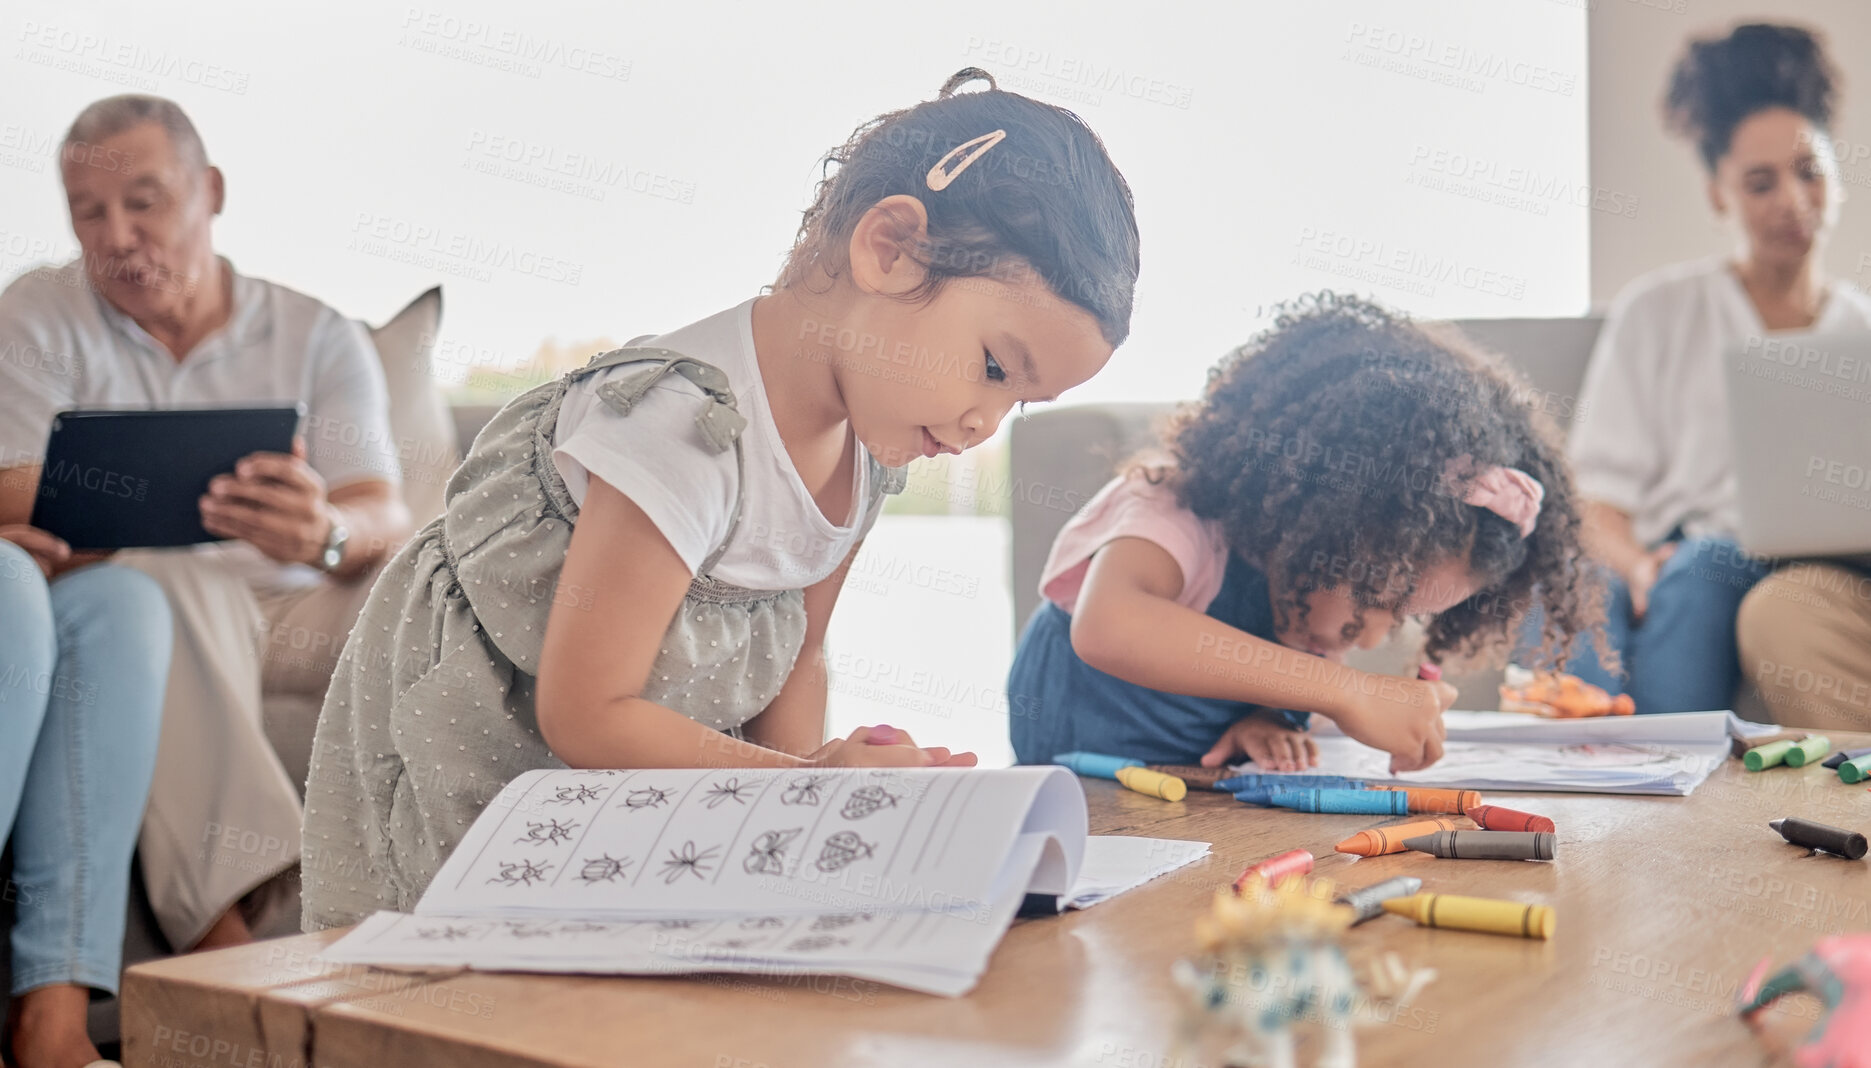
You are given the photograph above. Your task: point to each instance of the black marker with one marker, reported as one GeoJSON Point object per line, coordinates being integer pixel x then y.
{"type": "Point", "coordinates": [1837, 840]}
{"type": "Point", "coordinates": [1842, 756]}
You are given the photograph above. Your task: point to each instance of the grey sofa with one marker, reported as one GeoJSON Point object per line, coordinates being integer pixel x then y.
{"type": "Point", "coordinates": [1061, 457]}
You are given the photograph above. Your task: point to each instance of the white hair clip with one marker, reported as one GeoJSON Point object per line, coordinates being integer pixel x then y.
{"type": "Point", "coordinates": [939, 178]}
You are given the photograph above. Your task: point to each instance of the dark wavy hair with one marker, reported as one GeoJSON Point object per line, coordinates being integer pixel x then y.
{"type": "Point", "coordinates": [1720, 81]}
{"type": "Point", "coordinates": [1334, 449]}
{"type": "Point", "coordinates": [1045, 200]}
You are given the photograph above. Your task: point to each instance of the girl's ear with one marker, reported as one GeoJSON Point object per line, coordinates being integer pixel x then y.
{"type": "Point", "coordinates": [881, 244]}
{"type": "Point", "coordinates": [1717, 203]}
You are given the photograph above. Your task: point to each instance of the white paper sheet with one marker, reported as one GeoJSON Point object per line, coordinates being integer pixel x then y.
{"type": "Point", "coordinates": [938, 952]}
{"type": "Point", "coordinates": [905, 876]}
{"type": "Point", "coordinates": [1116, 863]}
{"type": "Point", "coordinates": [620, 845]}
{"type": "Point", "coordinates": [1660, 754]}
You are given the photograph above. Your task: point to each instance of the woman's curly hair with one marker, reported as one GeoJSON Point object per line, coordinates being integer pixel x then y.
{"type": "Point", "coordinates": [1334, 450]}
{"type": "Point", "coordinates": [1720, 81]}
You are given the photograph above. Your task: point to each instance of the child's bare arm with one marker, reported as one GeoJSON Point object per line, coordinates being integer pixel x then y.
{"type": "Point", "coordinates": [795, 720]}
{"type": "Point", "coordinates": [599, 650]}
{"type": "Point", "coordinates": [1127, 623]}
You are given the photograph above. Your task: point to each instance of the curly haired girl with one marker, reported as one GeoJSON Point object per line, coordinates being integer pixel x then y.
{"type": "Point", "coordinates": [1342, 471]}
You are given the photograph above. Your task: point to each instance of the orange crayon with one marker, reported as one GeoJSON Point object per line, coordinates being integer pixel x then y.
{"type": "Point", "coordinates": [1436, 799]}
{"type": "Point", "coordinates": [1274, 869]}
{"type": "Point", "coordinates": [1496, 818]}
{"type": "Point", "coordinates": [1378, 841]}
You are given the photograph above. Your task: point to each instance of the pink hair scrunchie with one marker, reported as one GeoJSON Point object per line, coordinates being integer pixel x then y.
{"type": "Point", "coordinates": [1509, 493]}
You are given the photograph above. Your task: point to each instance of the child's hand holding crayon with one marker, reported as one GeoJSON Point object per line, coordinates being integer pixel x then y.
{"type": "Point", "coordinates": [1404, 720]}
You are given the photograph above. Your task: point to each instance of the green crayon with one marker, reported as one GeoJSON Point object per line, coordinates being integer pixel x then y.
{"type": "Point", "coordinates": [1857, 770]}
{"type": "Point", "coordinates": [1767, 756]}
{"type": "Point", "coordinates": [1807, 750]}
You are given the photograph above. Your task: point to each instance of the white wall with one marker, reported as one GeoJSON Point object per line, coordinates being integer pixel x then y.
{"type": "Point", "coordinates": [1272, 147]}
{"type": "Point", "coordinates": [1632, 46]}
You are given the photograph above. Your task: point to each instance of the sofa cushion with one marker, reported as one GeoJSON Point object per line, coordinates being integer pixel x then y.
{"type": "Point", "coordinates": [424, 429]}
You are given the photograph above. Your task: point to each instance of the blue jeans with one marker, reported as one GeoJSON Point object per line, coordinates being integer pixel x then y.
{"type": "Point", "coordinates": [1681, 657]}
{"type": "Point", "coordinates": [83, 662]}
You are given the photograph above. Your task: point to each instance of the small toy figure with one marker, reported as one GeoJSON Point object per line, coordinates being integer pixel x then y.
{"type": "Point", "coordinates": [1273, 959]}
{"type": "Point", "coordinates": [1559, 696]}
{"type": "Point", "coordinates": [1838, 973]}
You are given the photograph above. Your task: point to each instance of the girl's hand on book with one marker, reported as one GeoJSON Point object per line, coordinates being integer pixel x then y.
{"type": "Point", "coordinates": [1266, 743]}
{"type": "Point", "coordinates": [1404, 720]}
{"type": "Point", "coordinates": [885, 747]}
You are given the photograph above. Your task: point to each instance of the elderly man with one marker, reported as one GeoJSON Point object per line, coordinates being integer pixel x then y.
{"type": "Point", "coordinates": [150, 317]}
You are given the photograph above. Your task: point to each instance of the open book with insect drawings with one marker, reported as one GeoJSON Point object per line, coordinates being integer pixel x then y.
{"type": "Point", "coordinates": [907, 876]}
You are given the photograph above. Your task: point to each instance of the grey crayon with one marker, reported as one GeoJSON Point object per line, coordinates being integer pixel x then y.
{"type": "Point", "coordinates": [1367, 903]}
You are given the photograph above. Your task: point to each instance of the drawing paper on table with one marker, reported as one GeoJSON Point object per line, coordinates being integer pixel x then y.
{"type": "Point", "coordinates": [1116, 863]}
{"type": "Point", "coordinates": [1586, 768]}
{"type": "Point", "coordinates": [650, 843]}
{"type": "Point", "coordinates": [907, 876]}
{"type": "Point", "coordinates": [939, 952]}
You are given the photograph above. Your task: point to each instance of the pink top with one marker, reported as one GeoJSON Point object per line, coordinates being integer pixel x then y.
{"type": "Point", "coordinates": [1132, 507]}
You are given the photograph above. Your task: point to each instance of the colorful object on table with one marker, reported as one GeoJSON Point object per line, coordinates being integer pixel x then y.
{"type": "Point", "coordinates": [1436, 799]}
{"type": "Point", "coordinates": [1559, 696]}
{"type": "Point", "coordinates": [1842, 755]}
{"type": "Point", "coordinates": [1193, 774]}
{"type": "Point", "coordinates": [1857, 769]}
{"type": "Point", "coordinates": [1771, 755]}
{"type": "Point", "coordinates": [1496, 818]}
{"type": "Point", "coordinates": [1270, 959]}
{"type": "Point", "coordinates": [1264, 795]}
{"type": "Point", "coordinates": [1361, 802]}
{"type": "Point", "coordinates": [1368, 903]}
{"type": "Point", "coordinates": [1274, 869]}
{"type": "Point", "coordinates": [1153, 783]}
{"type": "Point", "coordinates": [1487, 845]}
{"type": "Point", "coordinates": [1835, 840]}
{"type": "Point", "coordinates": [1838, 973]}
{"type": "Point", "coordinates": [1095, 765]}
{"type": "Point", "coordinates": [1476, 914]}
{"type": "Point", "coordinates": [1380, 841]}
{"type": "Point", "coordinates": [1740, 746]}
{"type": "Point", "coordinates": [1253, 780]}
{"type": "Point", "coordinates": [1807, 750]}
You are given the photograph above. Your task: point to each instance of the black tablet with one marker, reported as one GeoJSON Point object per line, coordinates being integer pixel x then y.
{"type": "Point", "coordinates": [134, 479]}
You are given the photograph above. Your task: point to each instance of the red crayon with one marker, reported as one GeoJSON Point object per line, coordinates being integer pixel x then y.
{"type": "Point", "coordinates": [1496, 818]}
{"type": "Point", "coordinates": [1272, 870]}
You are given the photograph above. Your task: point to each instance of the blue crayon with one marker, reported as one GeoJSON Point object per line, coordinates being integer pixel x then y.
{"type": "Point", "coordinates": [1368, 802]}
{"type": "Point", "coordinates": [1096, 765]}
{"type": "Point", "coordinates": [1260, 795]}
{"type": "Point", "coordinates": [1254, 780]}
{"type": "Point", "coordinates": [1263, 795]}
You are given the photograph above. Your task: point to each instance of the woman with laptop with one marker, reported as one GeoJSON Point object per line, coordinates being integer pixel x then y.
{"type": "Point", "coordinates": [1652, 451]}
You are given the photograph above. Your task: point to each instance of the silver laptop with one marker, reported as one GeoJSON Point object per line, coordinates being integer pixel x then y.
{"type": "Point", "coordinates": [1799, 409]}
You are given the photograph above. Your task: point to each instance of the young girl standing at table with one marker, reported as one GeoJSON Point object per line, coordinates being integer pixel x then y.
{"type": "Point", "coordinates": [1343, 471]}
{"type": "Point", "coordinates": [637, 562]}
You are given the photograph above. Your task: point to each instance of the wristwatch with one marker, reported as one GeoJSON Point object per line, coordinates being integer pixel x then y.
{"type": "Point", "coordinates": [333, 555]}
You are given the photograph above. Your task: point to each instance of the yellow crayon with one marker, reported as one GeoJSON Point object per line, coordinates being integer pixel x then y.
{"type": "Point", "coordinates": [1154, 783]}
{"type": "Point", "coordinates": [1475, 914]}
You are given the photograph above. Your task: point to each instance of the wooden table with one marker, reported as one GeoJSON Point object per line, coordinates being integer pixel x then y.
{"type": "Point", "coordinates": [1664, 905]}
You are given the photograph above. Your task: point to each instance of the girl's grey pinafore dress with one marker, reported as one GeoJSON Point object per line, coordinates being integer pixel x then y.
{"type": "Point", "coordinates": [430, 710]}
